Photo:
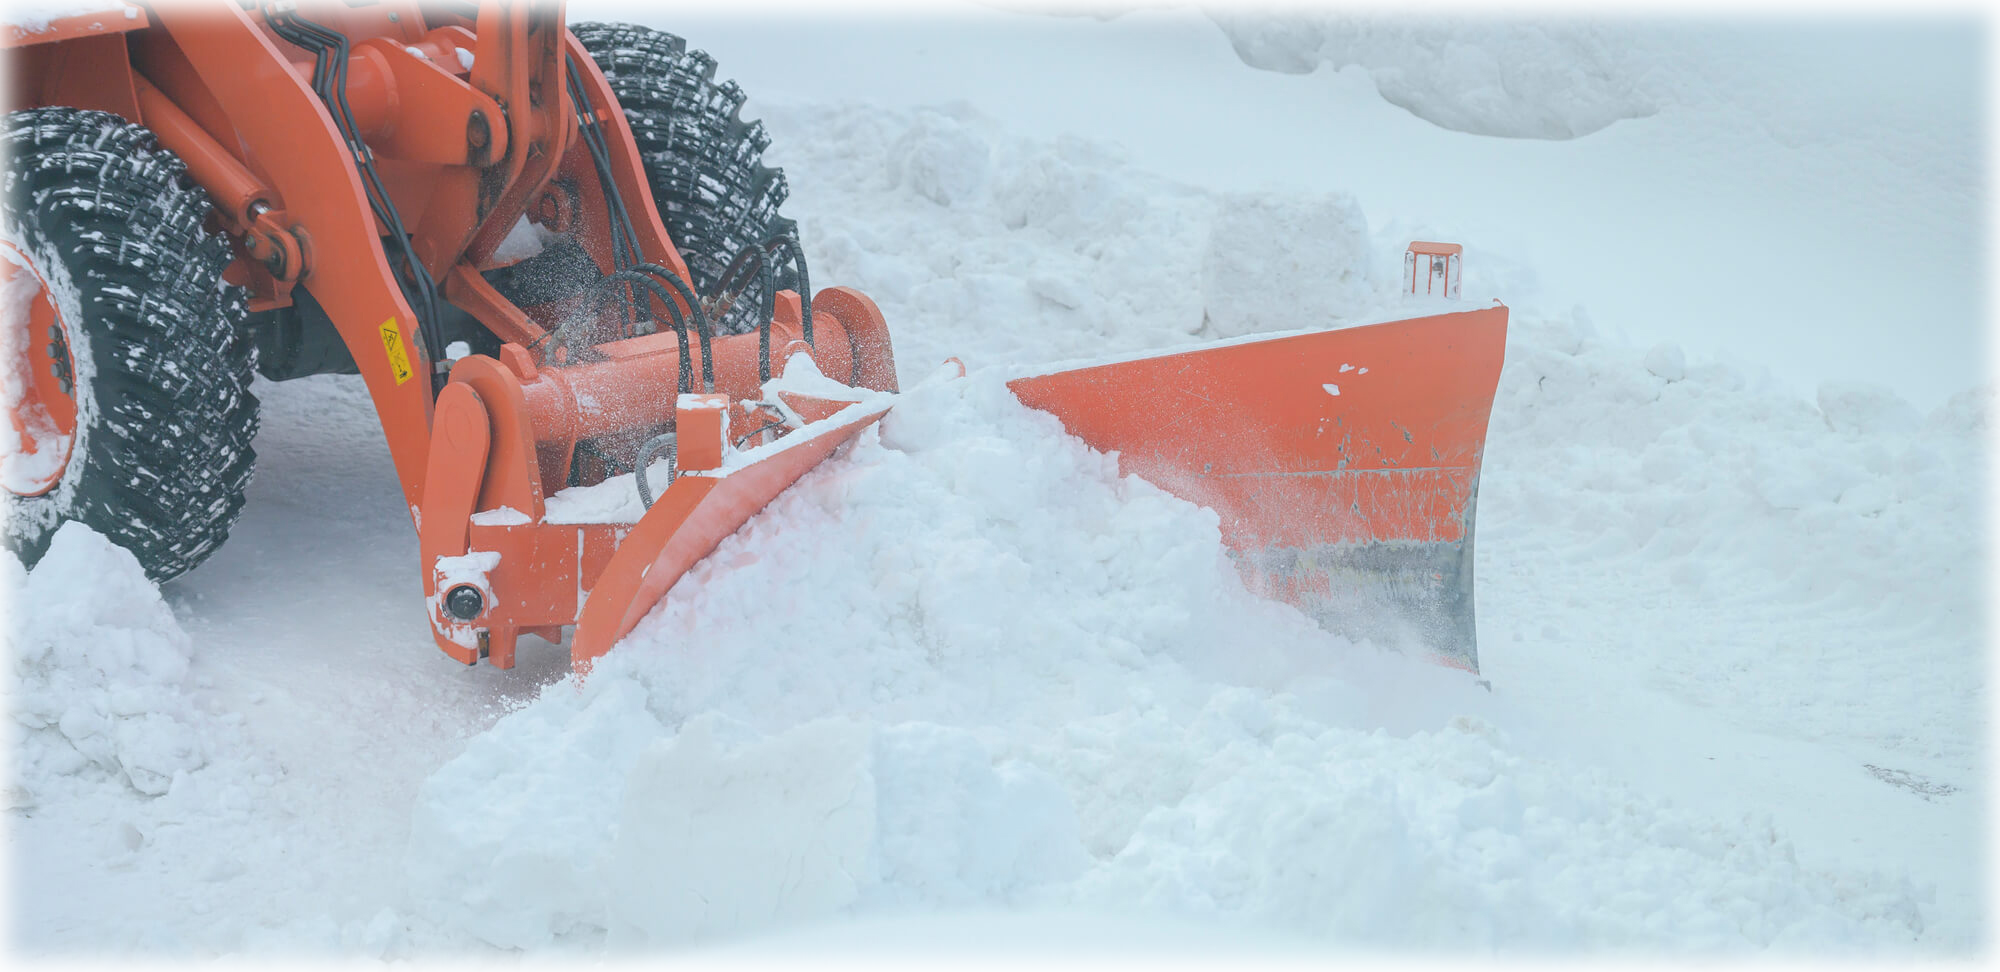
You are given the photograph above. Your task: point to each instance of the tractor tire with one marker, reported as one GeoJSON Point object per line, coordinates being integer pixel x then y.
{"type": "Point", "coordinates": [114, 289]}
{"type": "Point", "coordinates": [703, 162]}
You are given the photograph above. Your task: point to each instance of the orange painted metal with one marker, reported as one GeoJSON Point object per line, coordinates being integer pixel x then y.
{"type": "Point", "coordinates": [518, 62]}
{"type": "Point", "coordinates": [636, 377]}
{"type": "Point", "coordinates": [426, 112]}
{"type": "Point", "coordinates": [457, 462]}
{"type": "Point", "coordinates": [283, 123]}
{"type": "Point", "coordinates": [89, 71]}
{"type": "Point", "coordinates": [1432, 269]}
{"type": "Point", "coordinates": [1347, 457]}
{"type": "Point", "coordinates": [694, 514]}
{"type": "Point", "coordinates": [42, 411]}
{"type": "Point", "coordinates": [535, 420]}
{"type": "Point", "coordinates": [228, 181]}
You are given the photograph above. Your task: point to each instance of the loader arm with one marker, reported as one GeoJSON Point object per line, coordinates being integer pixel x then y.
{"type": "Point", "coordinates": [315, 193]}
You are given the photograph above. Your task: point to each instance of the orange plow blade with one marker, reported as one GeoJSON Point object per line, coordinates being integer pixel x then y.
{"type": "Point", "coordinates": [1344, 464]}
{"type": "Point", "coordinates": [697, 512]}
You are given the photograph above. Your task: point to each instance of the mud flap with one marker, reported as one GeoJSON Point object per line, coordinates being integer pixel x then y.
{"type": "Point", "coordinates": [1344, 464]}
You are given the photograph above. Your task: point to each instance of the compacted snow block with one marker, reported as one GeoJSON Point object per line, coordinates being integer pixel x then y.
{"type": "Point", "coordinates": [720, 830]}
{"type": "Point", "coordinates": [1278, 263]}
{"type": "Point", "coordinates": [715, 838]}
{"type": "Point", "coordinates": [98, 668]}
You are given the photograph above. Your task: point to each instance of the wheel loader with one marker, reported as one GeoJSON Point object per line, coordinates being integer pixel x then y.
{"type": "Point", "coordinates": [553, 255]}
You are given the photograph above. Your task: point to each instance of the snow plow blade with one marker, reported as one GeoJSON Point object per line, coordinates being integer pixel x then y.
{"type": "Point", "coordinates": [1344, 464]}
{"type": "Point", "coordinates": [698, 511]}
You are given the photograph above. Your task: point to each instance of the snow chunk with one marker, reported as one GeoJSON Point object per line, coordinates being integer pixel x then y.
{"type": "Point", "coordinates": [719, 835]}
{"type": "Point", "coordinates": [940, 159]}
{"type": "Point", "coordinates": [1864, 407]}
{"type": "Point", "coordinates": [1282, 262]}
{"type": "Point", "coordinates": [803, 377]}
{"type": "Point", "coordinates": [1666, 361]}
{"type": "Point", "coordinates": [525, 240]}
{"type": "Point", "coordinates": [1968, 412]}
{"type": "Point", "coordinates": [99, 668]}
{"type": "Point", "coordinates": [504, 516]}
{"type": "Point", "coordinates": [1015, 943]}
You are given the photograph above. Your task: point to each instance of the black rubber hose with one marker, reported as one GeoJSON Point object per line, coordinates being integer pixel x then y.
{"type": "Point", "coordinates": [330, 83]}
{"type": "Point", "coordinates": [610, 288]}
{"type": "Point", "coordinates": [701, 328]}
{"type": "Point", "coordinates": [667, 443]}
{"type": "Point", "coordinates": [727, 297]}
{"type": "Point", "coordinates": [789, 240]}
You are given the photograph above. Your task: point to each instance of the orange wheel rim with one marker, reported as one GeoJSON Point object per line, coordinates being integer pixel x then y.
{"type": "Point", "coordinates": [41, 394]}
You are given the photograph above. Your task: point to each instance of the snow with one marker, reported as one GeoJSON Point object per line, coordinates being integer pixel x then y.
{"type": "Point", "coordinates": [504, 516]}
{"type": "Point", "coordinates": [965, 689]}
{"type": "Point", "coordinates": [995, 943]}
{"type": "Point", "coordinates": [1808, 187]}
{"type": "Point", "coordinates": [36, 16]}
{"type": "Point", "coordinates": [524, 240]}
{"type": "Point", "coordinates": [1549, 79]}
{"type": "Point", "coordinates": [98, 673]}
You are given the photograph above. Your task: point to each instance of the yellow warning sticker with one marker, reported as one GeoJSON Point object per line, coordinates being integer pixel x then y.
{"type": "Point", "coordinates": [399, 358]}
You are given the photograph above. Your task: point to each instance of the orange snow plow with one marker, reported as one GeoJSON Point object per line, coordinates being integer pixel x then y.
{"type": "Point", "coordinates": [552, 255]}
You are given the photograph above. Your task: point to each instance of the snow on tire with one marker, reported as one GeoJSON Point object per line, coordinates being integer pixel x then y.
{"type": "Point", "coordinates": [160, 453]}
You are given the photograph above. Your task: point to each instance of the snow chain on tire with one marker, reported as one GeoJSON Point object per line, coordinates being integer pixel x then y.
{"type": "Point", "coordinates": [703, 162]}
{"type": "Point", "coordinates": [161, 452]}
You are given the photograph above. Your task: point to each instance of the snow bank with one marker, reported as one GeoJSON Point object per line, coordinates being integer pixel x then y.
{"type": "Point", "coordinates": [1013, 943]}
{"type": "Point", "coordinates": [969, 666]}
{"type": "Point", "coordinates": [1815, 569]}
{"type": "Point", "coordinates": [1552, 80]}
{"type": "Point", "coordinates": [1017, 252]}
{"type": "Point", "coordinates": [98, 671]}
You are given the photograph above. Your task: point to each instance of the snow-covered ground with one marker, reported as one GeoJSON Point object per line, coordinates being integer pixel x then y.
{"type": "Point", "coordinates": [963, 688]}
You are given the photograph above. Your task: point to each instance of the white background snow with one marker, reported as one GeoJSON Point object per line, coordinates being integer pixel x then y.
{"type": "Point", "coordinates": [965, 689]}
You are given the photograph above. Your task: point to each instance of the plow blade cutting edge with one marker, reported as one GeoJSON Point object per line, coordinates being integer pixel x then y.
{"type": "Point", "coordinates": [1344, 466]}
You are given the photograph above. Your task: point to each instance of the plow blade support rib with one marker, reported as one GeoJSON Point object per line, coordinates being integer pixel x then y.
{"type": "Point", "coordinates": [1344, 464]}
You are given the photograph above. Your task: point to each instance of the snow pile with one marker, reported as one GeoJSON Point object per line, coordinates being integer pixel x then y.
{"type": "Point", "coordinates": [945, 219]}
{"type": "Point", "coordinates": [1814, 571]}
{"type": "Point", "coordinates": [99, 670]}
{"type": "Point", "coordinates": [970, 666]}
{"type": "Point", "coordinates": [1011, 943]}
{"type": "Point", "coordinates": [1525, 69]}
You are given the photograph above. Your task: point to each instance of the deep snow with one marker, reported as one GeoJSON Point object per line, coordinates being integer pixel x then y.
{"type": "Point", "coordinates": [1733, 632]}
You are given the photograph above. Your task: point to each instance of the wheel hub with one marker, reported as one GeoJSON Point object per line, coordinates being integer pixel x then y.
{"type": "Point", "coordinates": [39, 389]}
